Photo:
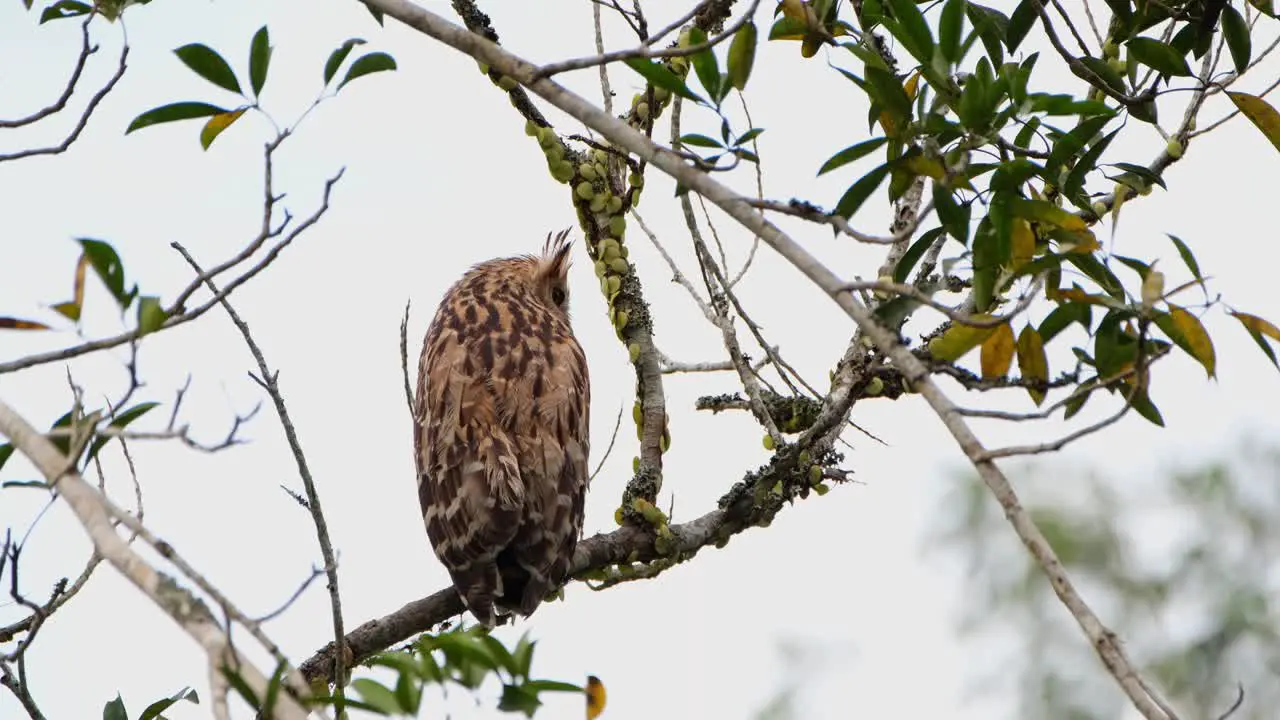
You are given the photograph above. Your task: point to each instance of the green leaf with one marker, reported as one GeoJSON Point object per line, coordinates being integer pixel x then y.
{"type": "Point", "coordinates": [523, 655]}
{"type": "Point", "coordinates": [1087, 162]}
{"type": "Point", "coordinates": [1144, 173]}
{"type": "Point", "coordinates": [366, 64]}
{"type": "Point", "coordinates": [241, 687]}
{"type": "Point", "coordinates": [64, 9]}
{"type": "Point", "coordinates": [114, 710]}
{"type": "Point", "coordinates": [172, 113]}
{"type": "Point", "coordinates": [259, 59]}
{"type": "Point", "coordinates": [852, 153]}
{"type": "Point", "coordinates": [1062, 317]}
{"type": "Point", "coordinates": [1158, 56]}
{"type": "Point", "coordinates": [986, 263]}
{"type": "Point", "coordinates": [742, 54]}
{"type": "Point", "coordinates": [1236, 30]}
{"type": "Point", "coordinates": [1187, 258]}
{"type": "Point", "coordinates": [150, 314]}
{"type": "Point", "coordinates": [1095, 69]}
{"type": "Point", "coordinates": [501, 654]}
{"type": "Point", "coordinates": [154, 709]}
{"type": "Point", "coordinates": [748, 136]}
{"type": "Point", "coordinates": [377, 695]}
{"type": "Point", "coordinates": [859, 191]}
{"type": "Point", "coordinates": [1260, 113]}
{"type": "Point", "coordinates": [40, 484]}
{"type": "Point", "coordinates": [409, 693]}
{"type": "Point", "coordinates": [990, 25]}
{"type": "Point", "coordinates": [208, 64]}
{"type": "Point", "coordinates": [121, 421]}
{"type": "Point", "coordinates": [661, 76]}
{"type": "Point", "coordinates": [552, 686]}
{"type": "Point", "coordinates": [950, 29]}
{"type": "Point", "coordinates": [697, 140]}
{"type": "Point", "coordinates": [914, 253]}
{"type": "Point", "coordinates": [337, 57]}
{"type": "Point", "coordinates": [403, 663]}
{"type": "Point", "coordinates": [704, 63]}
{"type": "Point", "coordinates": [913, 29]}
{"type": "Point", "coordinates": [273, 690]}
{"type": "Point", "coordinates": [954, 216]}
{"type": "Point", "coordinates": [1024, 17]}
{"type": "Point", "coordinates": [886, 90]}
{"type": "Point", "coordinates": [1141, 402]}
{"type": "Point", "coordinates": [6, 452]}
{"type": "Point", "coordinates": [519, 699]}
{"type": "Point", "coordinates": [1099, 273]}
{"type": "Point", "coordinates": [1264, 6]}
{"type": "Point", "coordinates": [216, 124]}
{"type": "Point", "coordinates": [106, 263]}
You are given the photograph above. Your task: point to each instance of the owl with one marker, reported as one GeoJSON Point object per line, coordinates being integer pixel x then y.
{"type": "Point", "coordinates": [501, 432]}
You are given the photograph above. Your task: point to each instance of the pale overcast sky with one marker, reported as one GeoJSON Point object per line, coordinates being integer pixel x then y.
{"type": "Point", "coordinates": [439, 175]}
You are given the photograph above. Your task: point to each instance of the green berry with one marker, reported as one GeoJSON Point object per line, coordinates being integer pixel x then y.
{"type": "Point", "coordinates": [585, 191]}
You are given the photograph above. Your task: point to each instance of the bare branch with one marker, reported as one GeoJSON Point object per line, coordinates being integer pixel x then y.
{"type": "Point", "coordinates": [270, 382]}
{"type": "Point", "coordinates": [95, 512]}
{"type": "Point", "coordinates": [646, 50]}
{"type": "Point", "coordinates": [179, 315]}
{"type": "Point", "coordinates": [84, 117]}
{"type": "Point", "coordinates": [86, 49]}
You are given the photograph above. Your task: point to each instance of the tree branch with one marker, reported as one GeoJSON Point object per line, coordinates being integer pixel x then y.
{"type": "Point", "coordinates": [94, 511]}
{"type": "Point", "coordinates": [622, 135]}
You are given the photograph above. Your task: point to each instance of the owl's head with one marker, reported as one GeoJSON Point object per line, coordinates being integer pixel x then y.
{"type": "Point", "coordinates": [550, 271]}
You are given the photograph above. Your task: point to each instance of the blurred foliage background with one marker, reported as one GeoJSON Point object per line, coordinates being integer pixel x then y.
{"type": "Point", "coordinates": [1182, 564]}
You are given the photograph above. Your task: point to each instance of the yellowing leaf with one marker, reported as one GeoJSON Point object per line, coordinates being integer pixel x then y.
{"type": "Point", "coordinates": [959, 339]}
{"type": "Point", "coordinates": [1260, 113]}
{"type": "Point", "coordinates": [927, 166]}
{"type": "Point", "coordinates": [1046, 212]}
{"type": "Point", "coordinates": [1032, 362]}
{"type": "Point", "coordinates": [912, 84]}
{"type": "Point", "coordinates": [1196, 339]}
{"type": "Point", "coordinates": [8, 323]}
{"type": "Point", "coordinates": [997, 353]}
{"type": "Point", "coordinates": [216, 124]}
{"type": "Point", "coordinates": [595, 697]}
{"type": "Point", "coordinates": [1257, 324]}
{"type": "Point", "coordinates": [1082, 242]}
{"type": "Point", "coordinates": [1023, 243]}
{"type": "Point", "coordinates": [78, 288]}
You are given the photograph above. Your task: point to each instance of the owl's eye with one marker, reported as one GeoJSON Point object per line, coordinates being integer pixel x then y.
{"type": "Point", "coordinates": [557, 296]}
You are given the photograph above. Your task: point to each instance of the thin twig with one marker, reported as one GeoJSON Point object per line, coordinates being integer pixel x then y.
{"type": "Point", "coordinates": [86, 49]}
{"type": "Point", "coordinates": [95, 511]}
{"type": "Point", "coordinates": [270, 382]}
{"type": "Point", "coordinates": [84, 117]}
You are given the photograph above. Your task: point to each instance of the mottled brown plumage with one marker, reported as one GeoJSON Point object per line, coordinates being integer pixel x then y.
{"type": "Point", "coordinates": [501, 437]}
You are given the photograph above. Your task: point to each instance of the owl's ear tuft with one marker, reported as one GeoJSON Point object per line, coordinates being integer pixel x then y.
{"type": "Point", "coordinates": [556, 253]}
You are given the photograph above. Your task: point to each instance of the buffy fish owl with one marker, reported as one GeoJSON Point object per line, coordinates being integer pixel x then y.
{"type": "Point", "coordinates": [501, 432]}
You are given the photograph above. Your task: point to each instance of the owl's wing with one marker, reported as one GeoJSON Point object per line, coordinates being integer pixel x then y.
{"type": "Point", "coordinates": [553, 447]}
{"type": "Point", "coordinates": [468, 476]}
